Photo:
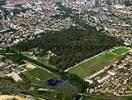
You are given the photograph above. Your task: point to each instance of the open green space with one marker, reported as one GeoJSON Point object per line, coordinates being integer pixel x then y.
{"type": "Point", "coordinates": [120, 50]}
{"type": "Point", "coordinates": [93, 65]}
{"type": "Point", "coordinates": [97, 63]}
{"type": "Point", "coordinates": [37, 75]}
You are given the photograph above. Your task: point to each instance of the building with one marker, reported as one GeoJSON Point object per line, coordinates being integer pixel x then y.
{"type": "Point", "coordinates": [15, 2]}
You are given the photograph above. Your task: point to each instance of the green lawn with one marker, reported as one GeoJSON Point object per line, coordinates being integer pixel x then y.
{"type": "Point", "coordinates": [97, 63]}
{"type": "Point", "coordinates": [93, 65]}
{"type": "Point", "coordinates": [38, 75]}
{"type": "Point", "coordinates": [120, 50]}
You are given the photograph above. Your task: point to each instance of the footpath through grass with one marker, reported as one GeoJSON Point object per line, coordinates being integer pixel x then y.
{"type": "Point", "coordinates": [97, 63]}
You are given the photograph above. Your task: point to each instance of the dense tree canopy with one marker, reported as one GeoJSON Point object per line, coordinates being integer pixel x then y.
{"type": "Point", "coordinates": [70, 45]}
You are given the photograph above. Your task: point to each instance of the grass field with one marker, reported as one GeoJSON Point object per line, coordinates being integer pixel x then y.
{"type": "Point", "coordinates": [120, 50]}
{"type": "Point", "coordinates": [37, 75]}
{"type": "Point", "coordinates": [97, 63]}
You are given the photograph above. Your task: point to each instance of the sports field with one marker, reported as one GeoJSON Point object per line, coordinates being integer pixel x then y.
{"type": "Point", "coordinates": [97, 63]}
{"type": "Point", "coordinates": [38, 76]}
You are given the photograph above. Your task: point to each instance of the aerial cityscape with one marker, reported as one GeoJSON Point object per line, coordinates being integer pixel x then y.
{"type": "Point", "coordinates": [65, 49]}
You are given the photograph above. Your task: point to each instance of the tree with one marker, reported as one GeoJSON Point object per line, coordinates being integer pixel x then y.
{"type": "Point", "coordinates": [127, 3]}
{"type": "Point", "coordinates": [76, 81]}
